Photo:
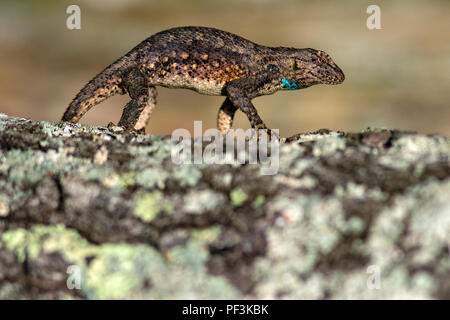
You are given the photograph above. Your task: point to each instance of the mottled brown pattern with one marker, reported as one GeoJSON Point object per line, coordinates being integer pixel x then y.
{"type": "Point", "coordinates": [209, 61]}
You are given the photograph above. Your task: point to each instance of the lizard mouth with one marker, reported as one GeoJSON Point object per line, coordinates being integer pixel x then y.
{"type": "Point", "coordinates": [334, 80]}
{"type": "Point", "coordinates": [340, 76]}
{"type": "Point", "coordinates": [334, 76]}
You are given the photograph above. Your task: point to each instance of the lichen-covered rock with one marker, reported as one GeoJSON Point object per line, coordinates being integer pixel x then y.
{"type": "Point", "coordinates": [86, 212]}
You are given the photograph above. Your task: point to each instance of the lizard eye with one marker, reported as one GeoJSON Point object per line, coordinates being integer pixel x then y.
{"type": "Point", "coordinates": [294, 64]}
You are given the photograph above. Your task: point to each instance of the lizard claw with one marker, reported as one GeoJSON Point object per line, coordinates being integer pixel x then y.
{"type": "Point", "coordinates": [116, 129]}
{"type": "Point", "coordinates": [110, 125]}
{"type": "Point", "coordinates": [273, 135]}
{"type": "Point", "coordinates": [265, 132]}
{"type": "Point", "coordinates": [123, 130]}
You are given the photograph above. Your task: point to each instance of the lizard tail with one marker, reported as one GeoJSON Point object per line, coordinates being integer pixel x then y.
{"type": "Point", "coordinates": [101, 87]}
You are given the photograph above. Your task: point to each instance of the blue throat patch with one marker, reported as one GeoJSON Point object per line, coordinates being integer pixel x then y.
{"type": "Point", "coordinates": [289, 84]}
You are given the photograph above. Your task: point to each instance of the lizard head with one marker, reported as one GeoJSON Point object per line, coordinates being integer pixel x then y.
{"type": "Point", "coordinates": [309, 67]}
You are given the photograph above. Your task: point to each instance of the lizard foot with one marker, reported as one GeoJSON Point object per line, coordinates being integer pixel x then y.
{"type": "Point", "coordinates": [264, 134]}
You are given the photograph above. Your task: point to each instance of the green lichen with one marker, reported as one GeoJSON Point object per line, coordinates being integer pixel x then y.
{"type": "Point", "coordinates": [127, 271]}
{"type": "Point", "coordinates": [337, 207]}
{"type": "Point", "coordinates": [238, 197]}
{"type": "Point", "coordinates": [16, 241]}
{"type": "Point", "coordinates": [198, 202]}
{"type": "Point", "coordinates": [152, 178]}
{"type": "Point", "coordinates": [208, 235]}
{"type": "Point", "coordinates": [140, 272]}
{"type": "Point", "coordinates": [120, 270]}
{"type": "Point", "coordinates": [47, 239]}
{"type": "Point", "coordinates": [187, 175]}
{"type": "Point", "coordinates": [259, 201]}
{"type": "Point", "coordinates": [324, 147]}
{"type": "Point", "coordinates": [150, 204]}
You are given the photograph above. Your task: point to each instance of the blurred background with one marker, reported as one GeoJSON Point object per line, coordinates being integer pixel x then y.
{"type": "Point", "coordinates": [396, 77]}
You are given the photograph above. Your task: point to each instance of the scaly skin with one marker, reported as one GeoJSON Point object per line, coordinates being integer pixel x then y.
{"type": "Point", "coordinates": [209, 61]}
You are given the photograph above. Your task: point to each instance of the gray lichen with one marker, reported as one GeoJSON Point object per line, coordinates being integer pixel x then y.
{"type": "Point", "coordinates": [348, 215]}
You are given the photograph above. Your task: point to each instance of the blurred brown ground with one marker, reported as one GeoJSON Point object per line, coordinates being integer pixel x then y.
{"type": "Point", "coordinates": [397, 77]}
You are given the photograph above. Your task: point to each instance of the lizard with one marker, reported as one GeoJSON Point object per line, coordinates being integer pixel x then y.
{"type": "Point", "coordinates": [209, 61]}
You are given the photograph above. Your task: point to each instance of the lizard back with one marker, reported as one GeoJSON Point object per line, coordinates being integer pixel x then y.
{"type": "Point", "coordinates": [198, 58]}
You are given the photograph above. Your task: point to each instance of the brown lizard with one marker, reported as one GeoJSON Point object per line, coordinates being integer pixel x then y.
{"type": "Point", "coordinates": [209, 61]}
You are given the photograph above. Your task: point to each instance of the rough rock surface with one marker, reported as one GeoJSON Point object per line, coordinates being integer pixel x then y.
{"type": "Point", "coordinates": [344, 211]}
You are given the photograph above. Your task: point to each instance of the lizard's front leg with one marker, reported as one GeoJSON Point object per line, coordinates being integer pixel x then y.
{"type": "Point", "coordinates": [137, 112]}
{"type": "Point", "coordinates": [238, 92]}
{"type": "Point", "coordinates": [240, 100]}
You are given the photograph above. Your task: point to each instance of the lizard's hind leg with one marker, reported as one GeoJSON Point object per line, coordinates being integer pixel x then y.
{"type": "Point", "coordinates": [225, 116]}
{"type": "Point", "coordinates": [137, 112]}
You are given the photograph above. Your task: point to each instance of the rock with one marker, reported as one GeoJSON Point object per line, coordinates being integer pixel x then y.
{"type": "Point", "coordinates": [89, 213]}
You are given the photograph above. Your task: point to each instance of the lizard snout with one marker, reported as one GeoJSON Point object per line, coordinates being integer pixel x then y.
{"type": "Point", "coordinates": [341, 75]}
{"type": "Point", "coordinates": [337, 76]}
